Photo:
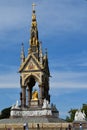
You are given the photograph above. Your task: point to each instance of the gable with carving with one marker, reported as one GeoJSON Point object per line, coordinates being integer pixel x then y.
{"type": "Point", "coordinates": [31, 64]}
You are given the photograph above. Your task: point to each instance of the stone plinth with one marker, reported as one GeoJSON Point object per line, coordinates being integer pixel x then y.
{"type": "Point", "coordinates": [34, 103]}
{"type": "Point", "coordinates": [34, 110]}
{"type": "Point", "coordinates": [30, 113]}
{"type": "Point", "coordinates": [79, 124]}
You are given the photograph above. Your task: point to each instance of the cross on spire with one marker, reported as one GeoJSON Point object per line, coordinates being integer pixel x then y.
{"type": "Point", "coordinates": [33, 6]}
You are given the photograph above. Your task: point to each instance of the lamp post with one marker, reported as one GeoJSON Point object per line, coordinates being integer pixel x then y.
{"type": "Point", "coordinates": [80, 127]}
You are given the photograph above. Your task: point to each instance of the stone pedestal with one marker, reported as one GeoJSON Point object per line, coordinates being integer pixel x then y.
{"type": "Point", "coordinates": [34, 103]}
{"type": "Point", "coordinates": [80, 124]}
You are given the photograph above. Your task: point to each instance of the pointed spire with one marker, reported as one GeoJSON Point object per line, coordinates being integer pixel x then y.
{"type": "Point", "coordinates": [33, 6]}
{"type": "Point", "coordinates": [34, 30]}
{"type": "Point", "coordinates": [46, 64]}
{"type": "Point", "coordinates": [41, 53]}
{"type": "Point", "coordinates": [34, 40]}
{"type": "Point", "coordinates": [46, 53]}
{"type": "Point", "coordinates": [22, 53]}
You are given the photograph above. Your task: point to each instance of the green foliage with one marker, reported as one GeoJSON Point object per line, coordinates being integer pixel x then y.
{"type": "Point", "coordinates": [70, 118]}
{"type": "Point", "coordinates": [72, 112]}
{"type": "Point", "coordinates": [5, 113]}
{"type": "Point", "coordinates": [84, 108]}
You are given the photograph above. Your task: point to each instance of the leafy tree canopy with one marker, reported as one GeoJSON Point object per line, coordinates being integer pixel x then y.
{"type": "Point", "coordinates": [5, 113]}
{"type": "Point", "coordinates": [72, 112]}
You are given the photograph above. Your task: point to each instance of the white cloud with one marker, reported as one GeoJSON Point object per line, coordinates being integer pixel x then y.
{"type": "Point", "coordinates": [64, 16]}
{"type": "Point", "coordinates": [83, 64]}
{"type": "Point", "coordinates": [59, 15]}
{"type": "Point", "coordinates": [12, 18]}
{"type": "Point", "coordinates": [69, 80]}
{"type": "Point", "coordinates": [73, 61]}
{"type": "Point", "coordinates": [9, 81]}
{"type": "Point", "coordinates": [9, 77]}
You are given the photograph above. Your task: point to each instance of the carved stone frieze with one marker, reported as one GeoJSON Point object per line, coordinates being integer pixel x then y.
{"type": "Point", "coordinates": [44, 112]}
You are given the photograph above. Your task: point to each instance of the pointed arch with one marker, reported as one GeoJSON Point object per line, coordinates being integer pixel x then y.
{"type": "Point", "coordinates": [28, 77]}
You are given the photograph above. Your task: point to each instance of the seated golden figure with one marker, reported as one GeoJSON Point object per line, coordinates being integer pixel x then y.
{"type": "Point", "coordinates": [35, 95]}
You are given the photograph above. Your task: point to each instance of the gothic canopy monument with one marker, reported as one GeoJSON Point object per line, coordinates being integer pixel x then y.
{"type": "Point", "coordinates": [34, 69]}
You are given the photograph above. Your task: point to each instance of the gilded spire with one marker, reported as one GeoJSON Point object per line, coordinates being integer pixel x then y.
{"type": "Point", "coordinates": [34, 41]}
{"type": "Point", "coordinates": [34, 30]}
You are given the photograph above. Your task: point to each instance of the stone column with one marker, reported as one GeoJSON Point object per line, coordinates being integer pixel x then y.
{"type": "Point", "coordinates": [23, 96]}
{"type": "Point", "coordinates": [40, 91]}
{"type": "Point", "coordinates": [41, 94]}
{"type": "Point", "coordinates": [29, 96]}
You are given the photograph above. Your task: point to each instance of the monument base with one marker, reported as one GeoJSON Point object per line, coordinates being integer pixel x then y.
{"type": "Point", "coordinates": [35, 110]}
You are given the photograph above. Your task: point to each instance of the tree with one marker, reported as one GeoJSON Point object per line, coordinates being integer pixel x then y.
{"type": "Point", "coordinates": [72, 112]}
{"type": "Point", "coordinates": [84, 108]}
{"type": "Point", "coordinates": [5, 113]}
{"type": "Point", "coordinates": [71, 116]}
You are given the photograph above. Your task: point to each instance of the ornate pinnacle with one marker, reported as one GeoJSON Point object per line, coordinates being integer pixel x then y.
{"type": "Point", "coordinates": [22, 54]}
{"type": "Point", "coordinates": [33, 6]}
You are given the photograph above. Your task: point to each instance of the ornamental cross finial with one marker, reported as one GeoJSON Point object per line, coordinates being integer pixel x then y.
{"type": "Point", "coordinates": [33, 6]}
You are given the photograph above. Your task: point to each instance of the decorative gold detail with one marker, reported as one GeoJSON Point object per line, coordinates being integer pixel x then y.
{"type": "Point", "coordinates": [31, 66]}
{"type": "Point", "coordinates": [35, 95]}
{"type": "Point", "coordinates": [38, 74]}
{"type": "Point", "coordinates": [34, 24]}
{"type": "Point", "coordinates": [33, 19]}
{"type": "Point", "coordinates": [34, 41]}
{"type": "Point", "coordinates": [25, 75]}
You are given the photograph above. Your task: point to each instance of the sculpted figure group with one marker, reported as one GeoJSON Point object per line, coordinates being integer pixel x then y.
{"type": "Point", "coordinates": [80, 116]}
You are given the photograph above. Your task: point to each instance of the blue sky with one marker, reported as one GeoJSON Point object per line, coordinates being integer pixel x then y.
{"type": "Point", "coordinates": [62, 26]}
